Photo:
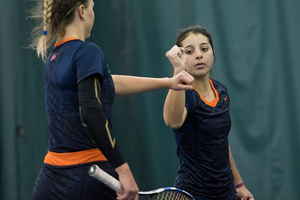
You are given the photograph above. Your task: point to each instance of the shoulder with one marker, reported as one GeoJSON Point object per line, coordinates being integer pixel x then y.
{"type": "Point", "coordinates": [222, 90]}
{"type": "Point", "coordinates": [90, 54]}
{"type": "Point", "coordinates": [219, 86]}
{"type": "Point", "coordinates": [89, 59]}
{"type": "Point", "coordinates": [89, 47]}
{"type": "Point", "coordinates": [218, 83]}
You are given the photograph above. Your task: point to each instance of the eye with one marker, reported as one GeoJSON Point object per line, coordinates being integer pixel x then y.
{"type": "Point", "coordinates": [204, 49]}
{"type": "Point", "coordinates": [189, 51]}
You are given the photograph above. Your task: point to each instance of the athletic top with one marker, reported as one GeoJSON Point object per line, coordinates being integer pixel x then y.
{"type": "Point", "coordinates": [202, 146]}
{"type": "Point", "coordinates": [70, 62]}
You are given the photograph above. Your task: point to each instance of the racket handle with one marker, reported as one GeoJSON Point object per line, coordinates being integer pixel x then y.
{"type": "Point", "coordinates": [105, 178]}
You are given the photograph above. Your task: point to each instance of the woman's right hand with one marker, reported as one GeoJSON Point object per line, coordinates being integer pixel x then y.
{"type": "Point", "coordinates": [130, 188]}
{"type": "Point", "coordinates": [177, 58]}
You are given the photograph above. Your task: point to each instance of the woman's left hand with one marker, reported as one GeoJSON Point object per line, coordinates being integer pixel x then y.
{"type": "Point", "coordinates": [244, 193]}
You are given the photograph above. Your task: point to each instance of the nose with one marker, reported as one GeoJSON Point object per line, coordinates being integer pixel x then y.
{"type": "Point", "coordinates": [198, 54]}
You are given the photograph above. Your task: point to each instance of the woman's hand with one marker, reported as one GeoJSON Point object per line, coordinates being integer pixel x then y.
{"type": "Point", "coordinates": [181, 81]}
{"type": "Point", "coordinates": [244, 194]}
{"type": "Point", "coordinates": [130, 188]}
{"type": "Point", "coordinates": [177, 58]}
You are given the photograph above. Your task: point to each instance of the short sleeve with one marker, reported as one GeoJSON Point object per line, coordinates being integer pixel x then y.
{"type": "Point", "coordinates": [88, 60]}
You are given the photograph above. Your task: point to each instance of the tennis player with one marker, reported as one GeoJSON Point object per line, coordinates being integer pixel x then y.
{"type": "Point", "coordinates": [201, 123]}
{"type": "Point", "coordinates": [79, 92]}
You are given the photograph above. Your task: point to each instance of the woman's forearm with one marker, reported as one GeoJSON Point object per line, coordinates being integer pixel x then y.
{"type": "Point", "coordinates": [235, 172]}
{"type": "Point", "coordinates": [126, 85]}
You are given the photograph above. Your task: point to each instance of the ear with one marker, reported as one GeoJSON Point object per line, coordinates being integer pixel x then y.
{"type": "Point", "coordinates": [81, 11]}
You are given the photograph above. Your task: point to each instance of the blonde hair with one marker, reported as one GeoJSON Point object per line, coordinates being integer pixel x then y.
{"type": "Point", "coordinates": [52, 16]}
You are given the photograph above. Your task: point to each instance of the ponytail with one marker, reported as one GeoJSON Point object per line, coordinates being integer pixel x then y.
{"type": "Point", "coordinates": [42, 44]}
{"type": "Point", "coordinates": [42, 35]}
{"type": "Point", "coordinates": [52, 18]}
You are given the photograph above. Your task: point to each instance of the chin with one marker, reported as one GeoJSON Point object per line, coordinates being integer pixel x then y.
{"type": "Point", "coordinates": [201, 75]}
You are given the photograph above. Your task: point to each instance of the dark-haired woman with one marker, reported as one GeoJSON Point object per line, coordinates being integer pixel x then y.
{"type": "Point", "coordinates": [201, 123]}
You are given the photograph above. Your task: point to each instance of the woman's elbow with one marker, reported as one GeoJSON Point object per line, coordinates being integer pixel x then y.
{"type": "Point", "coordinates": [173, 124]}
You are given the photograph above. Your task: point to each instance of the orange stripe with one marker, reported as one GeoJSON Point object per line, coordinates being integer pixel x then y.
{"type": "Point", "coordinates": [215, 101]}
{"type": "Point", "coordinates": [74, 158]}
{"type": "Point", "coordinates": [63, 41]}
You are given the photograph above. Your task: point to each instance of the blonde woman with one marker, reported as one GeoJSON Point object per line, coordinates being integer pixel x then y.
{"type": "Point", "coordinates": [79, 92]}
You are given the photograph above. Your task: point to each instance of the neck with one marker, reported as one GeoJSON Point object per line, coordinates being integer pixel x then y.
{"type": "Point", "coordinates": [73, 30]}
{"type": "Point", "coordinates": [201, 85]}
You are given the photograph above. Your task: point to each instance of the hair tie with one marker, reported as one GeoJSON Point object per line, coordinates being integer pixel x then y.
{"type": "Point", "coordinates": [45, 32]}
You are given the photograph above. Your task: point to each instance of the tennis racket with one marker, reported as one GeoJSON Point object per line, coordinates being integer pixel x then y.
{"type": "Point", "coordinates": [168, 193]}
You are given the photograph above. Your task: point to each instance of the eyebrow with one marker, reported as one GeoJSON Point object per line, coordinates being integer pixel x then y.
{"type": "Point", "coordinates": [204, 43]}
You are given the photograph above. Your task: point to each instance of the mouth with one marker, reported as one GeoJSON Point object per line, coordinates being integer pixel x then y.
{"type": "Point", "coordinates": [200, 64]}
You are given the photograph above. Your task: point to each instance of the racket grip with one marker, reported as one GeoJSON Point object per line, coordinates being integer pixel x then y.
{"type": "Point", "coordinates": [105, 178]}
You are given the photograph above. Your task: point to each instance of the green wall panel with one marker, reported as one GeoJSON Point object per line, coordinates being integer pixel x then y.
{"type": "Point", "coordinates": [257, 57]}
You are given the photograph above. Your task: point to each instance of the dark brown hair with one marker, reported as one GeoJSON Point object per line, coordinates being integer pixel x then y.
{"type": "Point", "coordinates": [195, 30]}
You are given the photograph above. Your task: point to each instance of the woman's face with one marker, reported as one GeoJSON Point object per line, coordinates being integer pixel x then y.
{"type": "Point", "coordinates": [199, 55]}
{"type": "Point", "coordinates": [90, 17]}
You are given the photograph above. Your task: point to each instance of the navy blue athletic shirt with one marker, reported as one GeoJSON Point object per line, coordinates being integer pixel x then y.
{"type": "Point", "coordinates": [202, 146]}
{"type": "Point", "coordinates": [68, 64]}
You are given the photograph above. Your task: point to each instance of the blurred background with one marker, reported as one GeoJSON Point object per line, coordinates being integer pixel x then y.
{"type": "Point", "coordinates": [257, 58]}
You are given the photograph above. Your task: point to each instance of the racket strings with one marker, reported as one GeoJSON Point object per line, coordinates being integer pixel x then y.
{"type": "Point", "coordinates": [170, 195]}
